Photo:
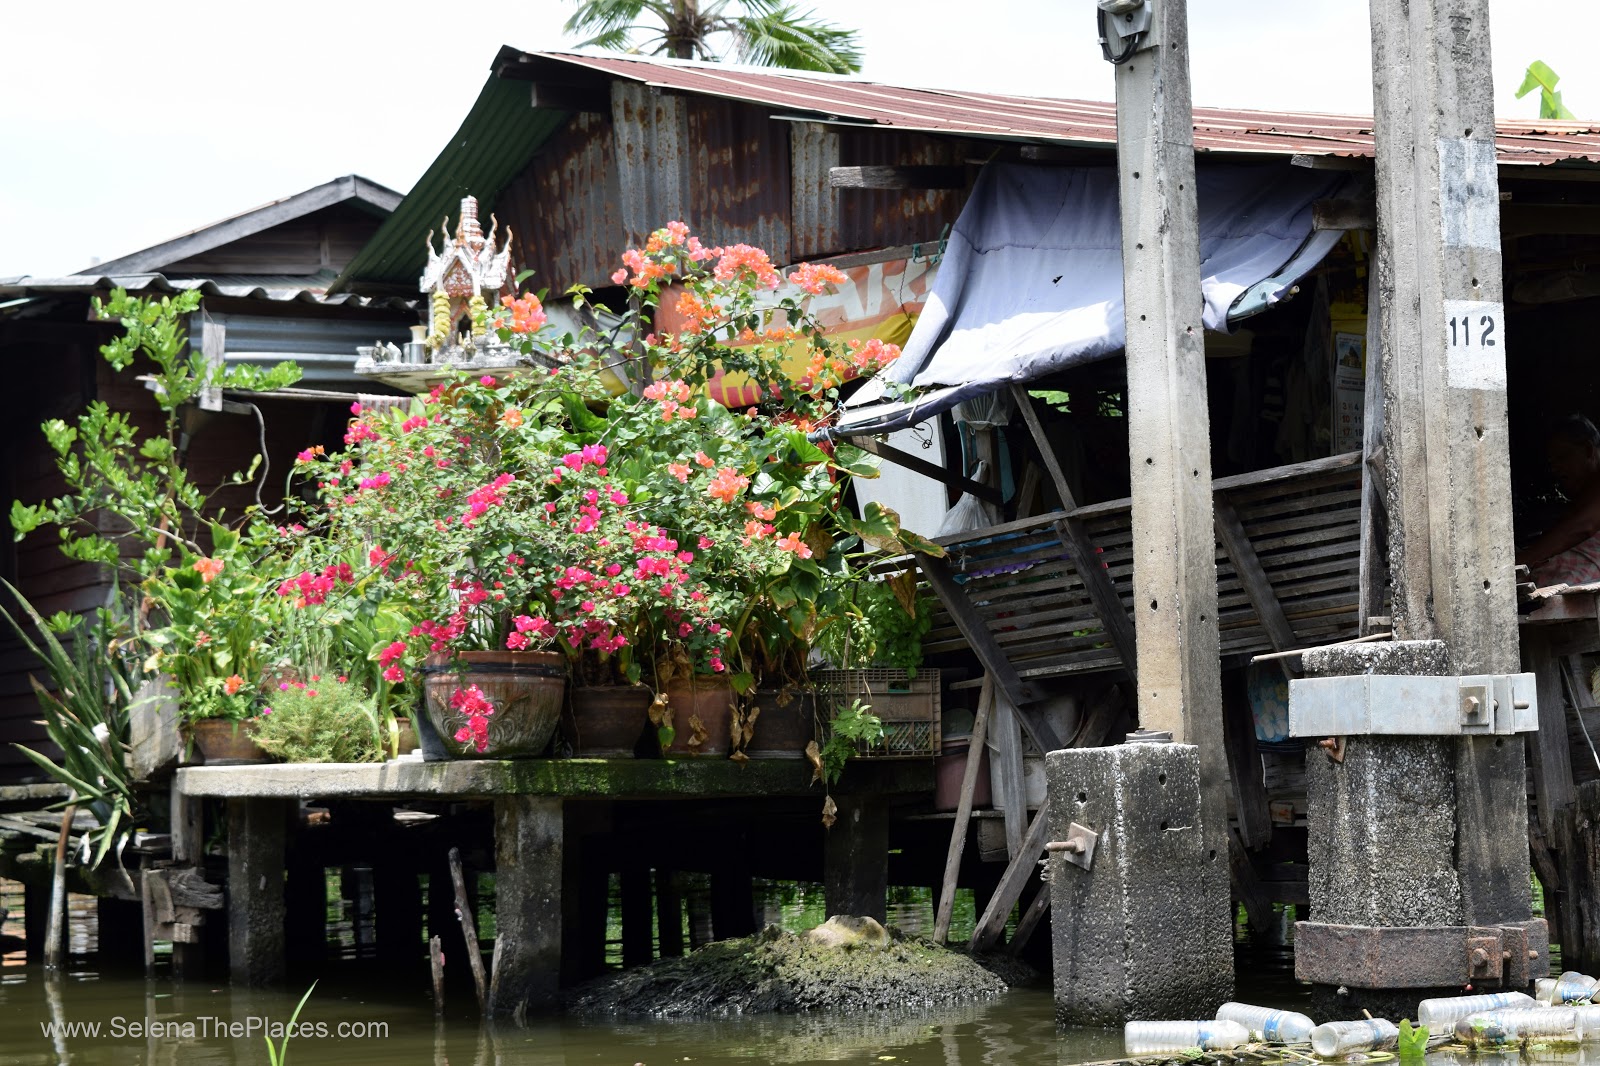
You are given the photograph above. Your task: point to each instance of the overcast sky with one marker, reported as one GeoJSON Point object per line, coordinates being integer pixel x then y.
{"type": "Point", "coordinates": [127, 124]}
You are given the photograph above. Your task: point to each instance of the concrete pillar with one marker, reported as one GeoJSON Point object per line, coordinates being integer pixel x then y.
{"type": "Point", "coordinates": [1442, 356]}
{"type": "Point", "coordinates": [528, 833]}
{"type": "Point", "coordinates": [1169, 435]}
{"type": "Point", "coordinates": [1145, 932]}
{"type": "Point", "coordinates": [257, 830]}
{"type": "Point", "coordinates": [855, 858]}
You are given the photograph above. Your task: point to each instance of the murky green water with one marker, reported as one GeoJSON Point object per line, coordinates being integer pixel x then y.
{"type": "Point", "coordinates": [1016, 1029]}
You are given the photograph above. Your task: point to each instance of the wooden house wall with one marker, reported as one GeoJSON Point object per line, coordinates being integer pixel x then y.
{"type": "Point", "coordinates": [323, 240]}
{"type": "Point", "coordinates": [565, 205]}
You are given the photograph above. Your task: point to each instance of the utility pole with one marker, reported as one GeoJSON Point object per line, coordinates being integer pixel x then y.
{"type": "Point", "coordinates": [1442, 328]}
{"type": "Point", "coordinates": [1162, 808]}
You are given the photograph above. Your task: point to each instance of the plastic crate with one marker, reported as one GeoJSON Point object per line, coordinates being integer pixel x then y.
{"type": "Point", "coordinates": [908, 707]}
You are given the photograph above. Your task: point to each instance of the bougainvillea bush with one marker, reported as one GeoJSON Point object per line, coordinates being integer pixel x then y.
{"type": "Point", "coordinates": [607, 506]}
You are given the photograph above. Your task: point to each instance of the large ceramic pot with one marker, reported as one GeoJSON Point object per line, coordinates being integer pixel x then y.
{"type": "Point", "coordinates": [608, 721]}
{"type": "Point", "coordinates": [785, 724]}
{"type": "Point", "coordinates": [702, 716]}
{"type": "Point", "coordinates": [223, 741]}
{"type": "Point", "coordinates": [526, 688]}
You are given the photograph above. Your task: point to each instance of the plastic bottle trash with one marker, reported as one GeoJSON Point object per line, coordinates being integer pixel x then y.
{"type": "Point", "coordinates": [1334, 1040]}
{"type": "Point", "coordinates": [1543, 989]}
{"type": "Point", "coordinates": [1572, 987]}
{"type": "Point", "coordinates": [1155, 1038]}
{"type": "Point", "coordinates": [1588, 1027]}
{"type": "Point", "coordinates": [1269, 1025]}
{"type": "Point", "coordinates": [1441, 1015]}
{"type": "Point", "coordinates": [1518, 1025]}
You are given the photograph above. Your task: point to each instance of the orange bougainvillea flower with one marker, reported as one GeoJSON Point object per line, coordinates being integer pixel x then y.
{"type": "Point", "coordinates": [727, 484]}
{"type": "Point", "coordinates": [814, 277]}
{"type": "Point", "coordinates": [233, 684]}
{"type": "Point", "coordinates": [208, 568]}
{"type": "Point", "coordinates": [762, 511]}
{"type": "Point", "coordinates": [527, 313]}
{"type": "Point", "coordinates": [512, 418]}
{"type": "Point", "coordinates": [791, 542]}
{"type": "Point", "coordinates": [679, 471]}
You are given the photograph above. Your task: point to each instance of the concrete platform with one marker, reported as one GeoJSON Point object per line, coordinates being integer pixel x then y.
{"type": "Point", "coordinates": [615, 779]}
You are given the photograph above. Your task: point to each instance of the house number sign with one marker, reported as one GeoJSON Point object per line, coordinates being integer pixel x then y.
{"type": "Point", "coordinates": [1474, 344]}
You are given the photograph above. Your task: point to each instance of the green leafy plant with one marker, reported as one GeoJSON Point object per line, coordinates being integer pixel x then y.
{"type": "Point", "coordinates": [1413, 1039]}
{"type": "Point", "coordinates": [85, 714]}
{"type": "Point", "coordinates": [853, 729]}
{"type": "Point", "coordinates": [279, 1055]}
{"type": "Point", "coordinates": [881, 623]}
{"type": "Point", "coordinates": [1541, 77]}
{"type": "Point", "coordinates": [320, 720]}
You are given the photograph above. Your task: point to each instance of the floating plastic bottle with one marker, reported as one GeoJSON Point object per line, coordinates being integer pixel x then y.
{"type": "Point", "coordinates": [1269, 1025]}
{"type": "Point", "coordinates": [1441, 1015]}
{"type": "Point", "coordinates": [1588, 1027]}
{"type": "Point", "coordinates": [1334, 1040]}
{"type": "Point", "coordinates": [1155, 1038]}
{"type": "Point", "coordinates": [1571, 987]}
{"type": "Point", "coordinates": [1518, 1025]}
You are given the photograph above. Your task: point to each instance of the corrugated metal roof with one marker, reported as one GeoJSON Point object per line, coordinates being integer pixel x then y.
{"type": "Point", "coordinates": [495, 141]}
{"type": "Point", "coordinates": [1079, 122]}
{"type": "Point", "coordinates": [280, 289]}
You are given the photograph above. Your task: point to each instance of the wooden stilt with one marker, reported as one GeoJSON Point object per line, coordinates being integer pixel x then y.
{"type": "Point", "coordinates": [958, 830]}
{"type": "Point", "coordinates": [1023, 866]}
{"type": "Point", "coordinates": [469, 930]}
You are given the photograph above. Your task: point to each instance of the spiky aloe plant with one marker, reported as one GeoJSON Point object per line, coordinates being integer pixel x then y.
{"type": "Point", "coordinates": [85, 714]}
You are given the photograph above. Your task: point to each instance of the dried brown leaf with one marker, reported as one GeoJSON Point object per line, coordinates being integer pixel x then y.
{"type": "Point", "coordinates": [904, 587]}
{"type": "Point", "coordinates": [814, 756]}
{"type": "Point", "coordinates": [830, 811]}
{"type": "Point", "coordinates": [697, 731]}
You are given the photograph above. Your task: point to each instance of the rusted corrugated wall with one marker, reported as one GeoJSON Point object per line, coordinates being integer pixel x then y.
{"type": "Point", "coordinates": [565, 207]}
{"type": "Point", "coordinates": [725, 167]}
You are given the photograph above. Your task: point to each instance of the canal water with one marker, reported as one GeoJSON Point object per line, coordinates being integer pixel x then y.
{"type": "Point", "coordinates": [359, 1014]}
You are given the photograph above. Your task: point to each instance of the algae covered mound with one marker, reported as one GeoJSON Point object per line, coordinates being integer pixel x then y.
{"type": "Point", "coordinates": [845, 965]}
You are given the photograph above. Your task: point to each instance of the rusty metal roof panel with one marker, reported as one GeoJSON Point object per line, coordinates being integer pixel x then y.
{"type": "Point", "coordinates": [565, 206]}
{"type": "Point", "coordinates": [1042, 119]}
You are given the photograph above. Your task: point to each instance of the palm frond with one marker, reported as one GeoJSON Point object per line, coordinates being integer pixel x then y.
{"type": "Point", "coordinates": [781, 35]}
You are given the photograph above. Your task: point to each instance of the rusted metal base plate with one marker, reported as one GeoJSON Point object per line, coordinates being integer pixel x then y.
{"type": "Point", "coordinates": [1364, 956]}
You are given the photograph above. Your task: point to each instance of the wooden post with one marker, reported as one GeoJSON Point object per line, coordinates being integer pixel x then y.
{"type": "Point", "coordinates": [1446, 442]}
{"type": "Point", "coordinates": [976, 753]}
{"type": "Point", "coordinates": [55, 935]}
{"type": "Point", "coordinates": [1169, 438]}
{"type": "Point", "coordinates": [469, 930]}
{"type": "Point", "coordinates": [1005, 771]}
{"type": "Point", "coordinates": [257, 829]}
{"type": "Point", "coordinates": [992, 924]}
{"type": "Point", "coordinates": [669, 913]}
{"type": "Point", "coordinates": [638, 948]}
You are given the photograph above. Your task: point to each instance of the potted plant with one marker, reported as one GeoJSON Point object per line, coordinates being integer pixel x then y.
{"type": "Point", "coordinates": [130, 505]}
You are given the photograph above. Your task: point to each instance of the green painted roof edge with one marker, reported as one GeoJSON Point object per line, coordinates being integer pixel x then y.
{"type": "Point", "coordinates": [496, 139]}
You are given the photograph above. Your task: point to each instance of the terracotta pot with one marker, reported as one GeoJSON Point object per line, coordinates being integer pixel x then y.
{"type": "Point", "coordinates": [708, 701]}
{"type": "Point", "coordinates": [223, 741]}
{"type": "Point", "coordinates": [607, 721]}
{"type": "Point", "coordinates": [782, 729]}
{"type": "Point", "coordinates": [526, 689]}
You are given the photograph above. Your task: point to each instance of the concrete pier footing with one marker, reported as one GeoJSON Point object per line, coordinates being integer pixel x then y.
{"type": "Point", "coordinates": [855, 858]}
{"type": "Point", "coordinates": [1145, 931]}
{"type": "Point", "coordinates": [256, 913]}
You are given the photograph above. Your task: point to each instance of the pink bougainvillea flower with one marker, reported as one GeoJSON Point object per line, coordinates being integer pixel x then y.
{"type": "Point", "coordinates": [740, 259]}
{"type": "Point", "coordinates": [208, 569]}
{"type": "Point", "coordinates": [792, 543]}
{"type": "Point", "coordinates": [394, 675]}
{"type": "Point", "coordinates": [679, 471]}
{"type": "Point", "coordinates": [620, 277]}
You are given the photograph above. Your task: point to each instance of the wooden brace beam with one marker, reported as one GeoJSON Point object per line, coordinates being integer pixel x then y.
{"type": "Point", "coordinates": [1247, 564]}
{"type": "Point", "coordinates": [913, 177]}
{"type": "Point", "coordinates": [919, 465]}
{"type": "Point", "coordinates": [975, 632]}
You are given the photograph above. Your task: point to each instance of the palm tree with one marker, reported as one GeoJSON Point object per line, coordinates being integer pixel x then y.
{"type": "Point", "coordinates": [768, 33]}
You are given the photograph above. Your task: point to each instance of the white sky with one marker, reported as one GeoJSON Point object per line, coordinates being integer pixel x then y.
{"type": "Point", "coordinates": [127, 124]}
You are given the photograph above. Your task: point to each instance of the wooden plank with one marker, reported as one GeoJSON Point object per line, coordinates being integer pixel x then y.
{"type": "Point", "coordinates": [898, 177]}
{"type": "Point", "coordinates": [1247, 886]}
{"type": "Point", "coordinates": [1357, 214]}
{"type": "Point", "coordinates": [958, 830]}
{"type": "Point", "coordinates": [992, 925]}
{"type": "Point", "coordinates": [1548, 753]}
{"type": "Point", "coordinates": [1006, 769]}
{"type": "Point", "coordinates": [1244, 768]}
{"type": "Point", "coordinates": [977, 634]}
{"type": "Point", "coordinates": [1029, 921]}
{"type": "Point", "coordinates": [1247, 565]}
{"type": "Point", "coordinates": [917, 464]}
